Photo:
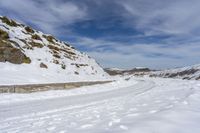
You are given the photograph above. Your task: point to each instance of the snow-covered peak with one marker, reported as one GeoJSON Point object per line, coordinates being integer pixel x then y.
{"type": "Point", "coordinates": [189, 72]}
{"type": "Point", "coordinates": [29, 56]}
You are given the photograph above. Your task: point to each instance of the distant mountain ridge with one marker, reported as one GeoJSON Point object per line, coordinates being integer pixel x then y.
{"type": "Point", "coordinates": [190, 73]}
{"type": "Point", "coordinates": [30, 56]}
{"type": "Point", "coordinates": [134, 71]}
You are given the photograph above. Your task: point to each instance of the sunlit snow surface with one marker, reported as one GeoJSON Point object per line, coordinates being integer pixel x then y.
{"type": "Point", "coordinates": [143, 105]}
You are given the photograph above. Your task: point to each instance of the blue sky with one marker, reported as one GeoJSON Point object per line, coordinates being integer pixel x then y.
{"type": "Point", "coordinates": [119, 33]}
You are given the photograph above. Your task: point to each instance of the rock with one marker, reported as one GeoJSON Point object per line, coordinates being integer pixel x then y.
{"type": "Point", "coordinates": [42, 65]}
{"type": "Point", "coordinates": [13, 55]}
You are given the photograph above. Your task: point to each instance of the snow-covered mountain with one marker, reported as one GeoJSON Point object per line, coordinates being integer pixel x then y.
{"type": "Point", "coordinates": [30, 56]}
{"type": "Point", "coordinates": [190, 72]}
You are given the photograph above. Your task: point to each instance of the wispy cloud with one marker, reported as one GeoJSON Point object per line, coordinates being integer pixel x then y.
{"type": "Point", "coordinates": [49, 15]}
{"type": "Point", "coordinates": [152, 55]}
{"type": "Point", "coordinates": [158, 16]}
{"type": "Point", "coordinates": [122, 33]}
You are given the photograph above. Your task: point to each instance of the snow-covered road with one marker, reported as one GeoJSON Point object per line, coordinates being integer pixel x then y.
{"type": "Point", "coordinates": [139, 106]}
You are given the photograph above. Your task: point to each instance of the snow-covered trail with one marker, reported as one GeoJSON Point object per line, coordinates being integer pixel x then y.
{"type": "Point", "coordinates": [150, 106]}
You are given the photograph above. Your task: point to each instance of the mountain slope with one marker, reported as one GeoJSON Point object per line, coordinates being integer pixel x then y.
{"type": "Point", "coordinates": [29, 56]}
{"type": "Point", "coordinates": [190, 72]}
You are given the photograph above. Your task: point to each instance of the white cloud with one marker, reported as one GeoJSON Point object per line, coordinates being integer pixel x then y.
{"type": "Point", "coordinates": [158, 16]}
{"type": "Point", "coordinates": [177, 18]}
{"type": "Point", "coordinates": [48, 15]}
{"type": "Point", "coordinates": [145, 55]}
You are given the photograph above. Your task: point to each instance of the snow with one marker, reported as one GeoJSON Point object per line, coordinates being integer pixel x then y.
{"type": "Point", "coordinates": [12, 74]}
{"type": "Point", "coordinates": [7, 98]}
{"type": "Point", "coordinates": [139, 105]}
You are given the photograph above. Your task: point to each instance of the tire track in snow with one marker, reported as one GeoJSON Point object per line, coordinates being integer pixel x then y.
{"type": "Point", "coordinates": [31, 108]}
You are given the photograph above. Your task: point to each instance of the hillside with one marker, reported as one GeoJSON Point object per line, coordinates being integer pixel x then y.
{"type": "Point", "coordinates": [190, 72]}
{"type": "Point", "coordinates": [30, 56]}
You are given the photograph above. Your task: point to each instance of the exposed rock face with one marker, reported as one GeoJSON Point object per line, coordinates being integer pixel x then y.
{"type": "Point", "coordinates": [10, 53]}
{"type": "Point", "coordinates": [13, 55]}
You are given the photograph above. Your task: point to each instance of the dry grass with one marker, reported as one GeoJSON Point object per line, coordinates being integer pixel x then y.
{"type": "Point", "coordinates": [36, 37]}
{"type": "Point", "coordinates": [9, 21]}
{"type": "Point", "coordinates": [3, 35]}
{"type": "Point", "coordinates": [35, 44]}
{"type": "Point", "coordinates": [29, 29]}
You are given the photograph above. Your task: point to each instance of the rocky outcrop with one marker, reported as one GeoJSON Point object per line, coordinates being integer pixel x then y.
{"type": "Point", "coordinates": [13, 55]}
{"type": "Point", "coordinates": [8, 53]}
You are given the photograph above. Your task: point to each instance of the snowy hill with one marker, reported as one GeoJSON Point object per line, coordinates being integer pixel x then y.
{"type": "Point", "coordinates": [190, 72]}
{"type": "Point", "coordinates": [29, 56]}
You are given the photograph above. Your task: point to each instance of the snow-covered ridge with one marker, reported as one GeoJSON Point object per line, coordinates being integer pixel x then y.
{"type": "Point", "coordinates": [30, 56]}
{"type": "Point", "coordinates": [190, 72]}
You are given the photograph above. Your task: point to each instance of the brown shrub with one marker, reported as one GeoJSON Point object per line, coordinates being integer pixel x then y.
{"type": "Point", "coordinates": [49, 38]}
{"type": "Point", "coordinates": [35, 44]}
{"type": "Point", "coordinates": [3, 35]}
{"type": "Point", "coordinates": [57, 56]}
{"type": "Point", "coordinates": [9, 21]}
{"type": "Point", "coordinates": [55, 61]}
{"type": "Point", "coordinates": [29, 29]}
{"type": "Point", "coordinates": [26, 60]}
{"type": "Point", "coordinates": [5, 44]}
{"type": "Point", "coordinates": [53, 47]}
{"type": "Point", "coordinates": [63, 66]}
{"type": "Point", "coordinates": [36, 37]}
